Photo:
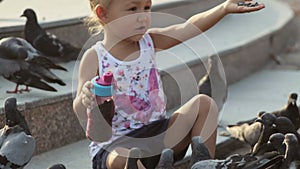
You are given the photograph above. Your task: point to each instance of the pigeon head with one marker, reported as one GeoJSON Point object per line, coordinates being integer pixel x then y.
{"type": "Point", "coordinates": [276, 138]}
{"type": "Point", "coordinates": [266, 119]}
{"type": "Point", "coordinates": [10, 108]}
{"type": "Point", "coordinates": [292, 101]}
{"type": "Point", "coordinates": [284, 125]}
{"type": "Point", "coordinates": [29, 14]}
{"type": "Point", "coordinates": [290, 138]}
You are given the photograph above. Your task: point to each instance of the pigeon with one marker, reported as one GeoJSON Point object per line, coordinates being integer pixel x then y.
{"type": "Point", "coordinates": [284, 125]}
{"type": "Point", "coordinates": [268, 128]}
{"type": "Point", "coordinates": [272, 162]}
{"type": "Point", "coordinates": [199, 150]}
{"type": "Point", "coordinates": [250, 121]}
{"type": "Point", "coordinates": [17, 147]}
{"type": "Point", "coordinates": [235, 161]}
{"type": "Point", "coordinates": [292, 154]}
{"type": "Point", "coordinates": [250, 133]}
{"type": "Point", "coordinates": [24, 65]}
{"type": "Point", "coordinates": [166, 160]}
{"type": "Point", "coordinates": [290, 110]}
{"type": "Point", "coordinates": [275, 143]}
{"type": "Point", "coordinates": [46, 42]}
{"type": "Point", "coordinates": [134, 155]}
{"type": "Point", "coordinates": [213, 83]}
{"type": "Point", "coordinates": [57, 166]}
{"type": "Point", "coordinates": [13, 116]}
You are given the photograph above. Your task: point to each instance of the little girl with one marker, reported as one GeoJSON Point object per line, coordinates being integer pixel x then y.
{"type": "Point", "coordinates": [128, 51]}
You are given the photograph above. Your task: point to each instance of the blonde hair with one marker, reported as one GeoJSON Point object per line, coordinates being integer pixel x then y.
{"type": "Point", "coordinates": [93, 22]}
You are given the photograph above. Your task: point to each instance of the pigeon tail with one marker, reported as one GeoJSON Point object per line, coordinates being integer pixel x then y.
{"type": "Point", "coordinates": [166, 160]}
{"type": "Point", "coordinates": [199, 150]}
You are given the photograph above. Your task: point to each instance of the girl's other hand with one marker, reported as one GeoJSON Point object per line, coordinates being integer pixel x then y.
{"type": "Point", "coordinates": [88, 98]}
{"type": "Point", "coordinates": [242, 6]}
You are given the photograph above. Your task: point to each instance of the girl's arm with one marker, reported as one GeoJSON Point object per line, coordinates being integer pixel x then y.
{"type": "Point", "coordinates": [87, 70]}
{"type": "Point", "coordinates": [170, 36]}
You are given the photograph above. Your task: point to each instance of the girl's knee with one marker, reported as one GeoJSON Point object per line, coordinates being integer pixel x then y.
{"type": "Point", "coordinates": [206, 102]}
{"type": "Point", "coordinates": [117, 158]}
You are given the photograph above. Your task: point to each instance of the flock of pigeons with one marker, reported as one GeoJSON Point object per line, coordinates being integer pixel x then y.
{"type": "Point", "coordinates": [29, 61]}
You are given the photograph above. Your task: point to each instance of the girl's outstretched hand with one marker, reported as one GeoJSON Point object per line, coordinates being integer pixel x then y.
{"type": "Point", "coordinates": [242, 6]}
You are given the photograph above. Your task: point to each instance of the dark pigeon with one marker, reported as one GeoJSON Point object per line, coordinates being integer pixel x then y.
{"type": "Point", "coordinates": [213, 83]}
{"type": "Point", "coordinates": [284, 125]}
{"type": "Point", "coordinates": [134, 155]}
{"type": "Point", "coordinates": [250, 133]}
{"type": "Point", "coordinates": [13, 116]}
{"type": "Point", "coordinates": [235, 161]}
{"type": "Point", "coordinates": [268, 128]}
{"type": "Point", "coordinates": [250, 121]}
{"type": "Point", "coordinates": [290, 110]}
{"type": "Point", "coordinates": [272, 162]}
{"type": "Point", "coordinates": [57, 166]}
{"type": "Point", "coordinates": [166, 160]}
{"type": "Point", "coordinates": [17, 147]}
{"type": "Point", "coordinates": [46, 42]}
{"type": "Point", "coordinates": [275, 143]}
{"type": "Point", "coordinates": [22, 64]}
{"type": "Point", "coordinates": [199, 150]}
{"type": "Point", "coordinates": [292, 154]}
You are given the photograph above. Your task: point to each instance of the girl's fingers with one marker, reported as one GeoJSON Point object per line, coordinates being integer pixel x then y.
{"type": "Point", "coordinates": [87, 97]}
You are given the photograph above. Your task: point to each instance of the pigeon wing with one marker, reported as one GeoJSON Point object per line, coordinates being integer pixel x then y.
{"type": "Point", "coordinates": [48, 44]}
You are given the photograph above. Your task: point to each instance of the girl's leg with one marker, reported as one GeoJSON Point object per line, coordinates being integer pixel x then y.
{"type": "Point", "coordinates": [199, 116]}
{"type": "Point", "coordinates": [117, 159]}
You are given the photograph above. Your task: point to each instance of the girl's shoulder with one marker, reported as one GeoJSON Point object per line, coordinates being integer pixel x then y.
{"type": "Point", "coordinates": [89, 57]}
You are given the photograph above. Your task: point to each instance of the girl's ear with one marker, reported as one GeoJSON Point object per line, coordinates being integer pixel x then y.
{"type": "Point", "coordinates": [101, 13]}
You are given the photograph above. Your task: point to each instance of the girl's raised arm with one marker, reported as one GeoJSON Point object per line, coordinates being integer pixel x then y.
{"type": "Point", "coordinates": [170, 36]}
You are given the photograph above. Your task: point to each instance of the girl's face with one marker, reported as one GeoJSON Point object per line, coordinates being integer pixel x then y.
{"type": "Point", "coordinates": [128, 18]}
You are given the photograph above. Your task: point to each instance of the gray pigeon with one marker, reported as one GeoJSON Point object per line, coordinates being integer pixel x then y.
{"type": "Point", "coordinates": [166, 160]}
{"type": "Point", "coordinates": [292, 154]}
{"type": "Point", "coordinates": [46, 42]}
{"type": "Point", "coordinates": [134, 155]}
{"type": "Point", "coordinates": [24, 65]}
{"type": "Point", "coordinates": [199, 151]}
{"type": "Point", "coordinates": [214, 82]}
{"type": "Point", "coordinates": [17, 147]}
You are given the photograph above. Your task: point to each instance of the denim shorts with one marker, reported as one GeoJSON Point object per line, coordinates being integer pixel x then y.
{"type": "Point", "coordinates": [150, 141]}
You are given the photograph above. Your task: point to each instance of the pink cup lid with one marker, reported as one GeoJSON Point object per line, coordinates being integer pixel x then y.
{"type": "Point", "coordinates": [105, 80]}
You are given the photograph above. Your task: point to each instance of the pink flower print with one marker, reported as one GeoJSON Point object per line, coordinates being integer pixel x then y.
{"type": "Point", "coordinates": [121, 72]}
{"type": "Point", "coordinates": [149, 44]}
{"type": "Point", "coordinates": [153, 82]}
{"type": "Point", "coordinates": [156, 102]}
{"type": "Point", "coordinates": [123, 103]}
{"type": "Point", "coordinates": [127, 124]}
